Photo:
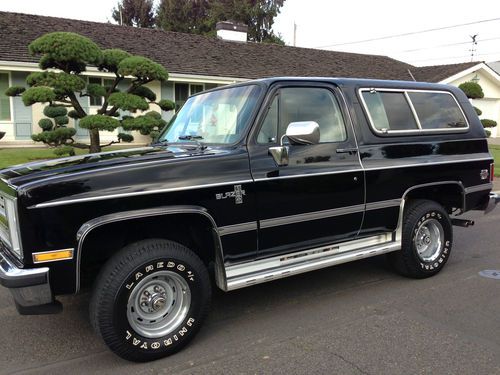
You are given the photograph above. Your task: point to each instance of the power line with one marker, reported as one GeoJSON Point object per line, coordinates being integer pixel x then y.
{"type": "Point", "coordinates": [410, 33]}
{"type": "Point", "coordinates": [456, 57]}
{"type": "Point", "coordinates": [444, 45]}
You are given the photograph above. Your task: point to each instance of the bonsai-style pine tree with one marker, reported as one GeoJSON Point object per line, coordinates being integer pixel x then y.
{"type": "Point", "coordinates": [473, 90]}
{"type": "Point", "coordinates": [64, 56]}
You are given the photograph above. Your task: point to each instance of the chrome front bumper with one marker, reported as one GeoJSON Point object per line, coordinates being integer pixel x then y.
{"type": "Point", "coordinates": [29, 287]}
{"type": "Point", "coordinates": [494, 199]}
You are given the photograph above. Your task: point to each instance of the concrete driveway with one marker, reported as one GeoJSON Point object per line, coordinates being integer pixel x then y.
{"type": "Point", "coordinates": [358, 318]}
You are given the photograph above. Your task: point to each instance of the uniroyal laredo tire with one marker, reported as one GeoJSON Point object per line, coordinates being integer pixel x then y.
{"type": "Point", "coordinates": [142, 288]}
{"type": "Point", "coordinates": [427, 237]}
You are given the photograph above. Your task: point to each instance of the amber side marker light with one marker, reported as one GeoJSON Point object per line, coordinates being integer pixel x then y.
{"type": "Point", "coordinates": [53, 256]}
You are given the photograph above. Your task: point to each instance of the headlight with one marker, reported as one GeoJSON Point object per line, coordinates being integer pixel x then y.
{"type": "Point", "coordinates": [9, 225]}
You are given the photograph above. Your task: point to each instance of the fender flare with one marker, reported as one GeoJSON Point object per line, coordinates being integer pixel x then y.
{"type": "Point", "coordinates": [97, 222]}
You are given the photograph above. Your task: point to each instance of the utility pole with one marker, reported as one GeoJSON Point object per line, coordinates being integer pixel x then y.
{"type": "Point", "coordinates": [294, 34]}
{"type": "Point", "coordinates": [473, 46]}
{"type": "Point", "coordinates": [121, 15]}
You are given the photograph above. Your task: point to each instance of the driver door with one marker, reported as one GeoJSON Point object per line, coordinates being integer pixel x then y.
{"type": "Point", "coordinates": [318, 198]}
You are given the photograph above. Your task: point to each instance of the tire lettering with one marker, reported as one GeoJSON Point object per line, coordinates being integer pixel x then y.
{"type": "Point", "coordinates": [170, 265]}
{"type": "Point", "coordinates": [190, 322]}
{"type": "Point", "coordinates": [183, 331]}
{"type": "Point", "coordinates": [136, 342]}
{"type": "Point", "coordinates": [138, 275]}
{"type": "Point", "coordinates": [145, 345]}
{"type": "Point", "coordinates": [167, 342]}
{"type": "Point", "coordinates": [150, 268]}
{"type": "Point", "coordinates": [181, 268]}
{"type": "Point", "coordinates": [176, 338]}
{"type": "Point", "coordinates": [129, 286]}
{"type": "Point", "coordinates": [129, 335]}
{"type": "Point", "coordinates": [160, 264]}
{"type": "Point", "coordinates": [155, 345]}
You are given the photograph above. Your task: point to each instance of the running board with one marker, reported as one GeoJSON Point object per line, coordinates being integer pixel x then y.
{"type": "Point", "coordinates": [261, 271]}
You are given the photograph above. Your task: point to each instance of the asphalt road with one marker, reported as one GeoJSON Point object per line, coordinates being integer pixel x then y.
{"type": "Point", "coordinates": [358, 318]}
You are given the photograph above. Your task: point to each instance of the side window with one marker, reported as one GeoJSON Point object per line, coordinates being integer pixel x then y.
{"type": "Point", "coordinates": [312, 104]}
{"type": "Point", "coordinates": [437, 110]}
{"type": "Point", "coordinates": [389, 110]}
{"type": "Point", "coordinates": [269, 130]}
{"type": "Point", "coordinates": [294, 104]}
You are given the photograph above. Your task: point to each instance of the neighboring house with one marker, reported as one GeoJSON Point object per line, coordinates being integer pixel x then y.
{"type": "Point", "coordinates": [197, 63]}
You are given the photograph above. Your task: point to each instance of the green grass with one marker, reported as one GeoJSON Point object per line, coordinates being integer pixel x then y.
{"type": "Point", "coordinates": [13, 156]}
{"type": "Point", "coordinates": [495, 151]}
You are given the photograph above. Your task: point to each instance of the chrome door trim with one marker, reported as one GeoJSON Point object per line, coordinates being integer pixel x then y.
{"type": "Point", "coordinates": [383, 204]}
{"type": "Point", "coordinates": [308, 216]}
{"type": "Point", "coordinates": [87, 227]}
{"type": "Point", "coordinates": [237, 228]}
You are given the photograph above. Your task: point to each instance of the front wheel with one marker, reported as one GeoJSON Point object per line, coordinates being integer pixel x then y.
{"type": "Point", "coordinates": [150, 299]}
{"type": "Point", "coordinates": [426, 240]}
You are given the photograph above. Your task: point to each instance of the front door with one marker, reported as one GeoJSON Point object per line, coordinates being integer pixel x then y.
{"type": "Point", "coordinates": [318, 198]}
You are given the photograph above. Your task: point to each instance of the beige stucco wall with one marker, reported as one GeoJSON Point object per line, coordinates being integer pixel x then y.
{"type": "Point", "coordinates": [490, 104]}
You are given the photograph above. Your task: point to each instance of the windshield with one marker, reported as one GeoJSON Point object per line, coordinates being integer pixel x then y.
{"type": "Point", "coordinates": [215, 117]}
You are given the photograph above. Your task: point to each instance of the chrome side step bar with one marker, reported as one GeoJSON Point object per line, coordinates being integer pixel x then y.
{"type": "Point", "coordinates": [256, 272]}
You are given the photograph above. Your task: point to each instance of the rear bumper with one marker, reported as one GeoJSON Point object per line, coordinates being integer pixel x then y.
{"type": "Point", "coordinates": [492, 203]}
{"type": "Point", "coordinates": [29, 287]}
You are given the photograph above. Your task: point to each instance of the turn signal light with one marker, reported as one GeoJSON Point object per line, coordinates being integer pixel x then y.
{"type": "Point", "coordinates": [492, 172]}
{"type": "Point", "coordinates": [52, 256]}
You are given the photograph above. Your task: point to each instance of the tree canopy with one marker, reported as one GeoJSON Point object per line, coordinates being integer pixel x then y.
{"type": "Point", "coordinates": [139, 13]}
{"type": "Point", "coordinates": [201, 16]}
{"type": "Point", "coordinates": [60, 85]}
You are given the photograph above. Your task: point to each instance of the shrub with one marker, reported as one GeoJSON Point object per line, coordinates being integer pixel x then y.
{"type": "Point", "coordinates": [487, 123]}
{"type": "Point", "coordinates": [472, 90]}
{"type": "Point", "coordinates": [478, 111]}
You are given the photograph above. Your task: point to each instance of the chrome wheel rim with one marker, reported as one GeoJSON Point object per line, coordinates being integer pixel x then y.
{"type": "Point", "coordinates": [429, 239]}
{"type": "Point", "coordinates": [158, 304]}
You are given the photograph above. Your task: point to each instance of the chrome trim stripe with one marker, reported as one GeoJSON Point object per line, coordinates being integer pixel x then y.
{"type": "Point", "coordinates": [237, 228]}
{"type": "Point", "coordinates": [383, 204]}
{"type": "Point", "coordinates": [71, 250]}
{"type": "Point", "coordinates": [308, 174]}
{"type": "Point", "coordinates": [292, 219]}
{"type": "Point", "coordinates": [476, 188]}
{"type": "Point", "coordinates": [427, 164]}
{"type": "Point", "coordinates": [137, 193]}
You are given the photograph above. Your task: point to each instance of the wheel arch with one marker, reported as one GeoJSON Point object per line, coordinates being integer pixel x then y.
{"type": "Point", "coordinates": [93, 226]}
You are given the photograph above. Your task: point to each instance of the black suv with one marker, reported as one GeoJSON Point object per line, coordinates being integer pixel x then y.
{"type": "Point", "coordinates": [249, 183]}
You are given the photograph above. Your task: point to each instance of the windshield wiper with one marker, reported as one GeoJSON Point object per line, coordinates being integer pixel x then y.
{"type": "Point", "coordinates": [188, 137]}
{"type": "Point", "coordinates": [163, 142]}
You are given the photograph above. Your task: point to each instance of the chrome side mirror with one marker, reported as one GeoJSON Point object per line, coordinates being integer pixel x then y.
{"type": "Point", "coordinates": [299, 133]}
{"type": "Point", "coordinates": [303, 133]}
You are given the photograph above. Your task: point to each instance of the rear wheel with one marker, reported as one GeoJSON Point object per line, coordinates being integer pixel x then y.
{"type": "Point", "coordinates": [150, 299]}
{"type": "Point", "coordinates": [426, 240]}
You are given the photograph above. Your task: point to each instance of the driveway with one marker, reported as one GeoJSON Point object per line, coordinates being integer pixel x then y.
{"type": "Point", "coordinates": [358, 318]}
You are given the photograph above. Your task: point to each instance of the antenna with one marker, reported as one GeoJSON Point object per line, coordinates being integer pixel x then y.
{"type": "Point", "coordinates": [473, 46]}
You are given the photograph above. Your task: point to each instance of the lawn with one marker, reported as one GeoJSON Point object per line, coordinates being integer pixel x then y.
{"type": "Point", "coordinates": [12, 156]}
{"type": "Point", "coordinates": [495, 151]}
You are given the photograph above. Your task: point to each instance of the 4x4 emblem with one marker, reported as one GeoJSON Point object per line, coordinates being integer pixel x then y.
{"type": "Point", "coordinates": [484, 174]}
{"type": "Point", "coordinates": [237, 194]}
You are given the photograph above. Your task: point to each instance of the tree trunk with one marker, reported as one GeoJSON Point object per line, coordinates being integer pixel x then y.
{"type": "Point", "coordinates": [95, 141]}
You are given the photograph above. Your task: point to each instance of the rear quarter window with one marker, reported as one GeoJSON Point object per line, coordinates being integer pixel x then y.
{"type": "Point", "coordinates": [393, 111]}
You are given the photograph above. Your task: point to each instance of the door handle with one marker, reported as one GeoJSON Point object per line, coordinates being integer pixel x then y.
{"type": "Point", "coordinates": [351, 150]}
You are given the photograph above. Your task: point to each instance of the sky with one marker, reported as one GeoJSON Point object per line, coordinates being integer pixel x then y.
{"type": "Point", "coordinates": [339, 26]}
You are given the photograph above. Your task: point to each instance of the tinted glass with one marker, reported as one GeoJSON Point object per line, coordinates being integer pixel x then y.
{"type": "Point", "coordinates": [389, 110]}
{"type": "Point", "coordinates": [437, 110]}
{"type": "Point", "coordinates": [4, 99]}
{"type": "Point", "coordinates": [312, 104]}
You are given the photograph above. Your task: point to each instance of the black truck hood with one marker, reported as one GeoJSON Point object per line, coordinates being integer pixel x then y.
{"type": "Point", "coordinates": [31, 172]}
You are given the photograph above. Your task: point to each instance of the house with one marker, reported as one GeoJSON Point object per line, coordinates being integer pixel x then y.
{"type": "Point", "coordinates": [197, 63]}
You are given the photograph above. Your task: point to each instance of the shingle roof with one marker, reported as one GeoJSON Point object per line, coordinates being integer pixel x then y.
{"type": "Point", "coordinates": [201, 55]}
{"type": "Point", "coordinates": [437, 73]}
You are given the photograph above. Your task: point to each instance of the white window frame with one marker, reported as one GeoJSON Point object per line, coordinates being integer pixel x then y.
{"type": "Point", "coordinates": [11, 102]}
{"type": "Point", "coordinates": [102, 84]}
{"type": "Point", "coordinates": [419, 130]}
{"type": "Point", "coordinates": [189, 88]}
